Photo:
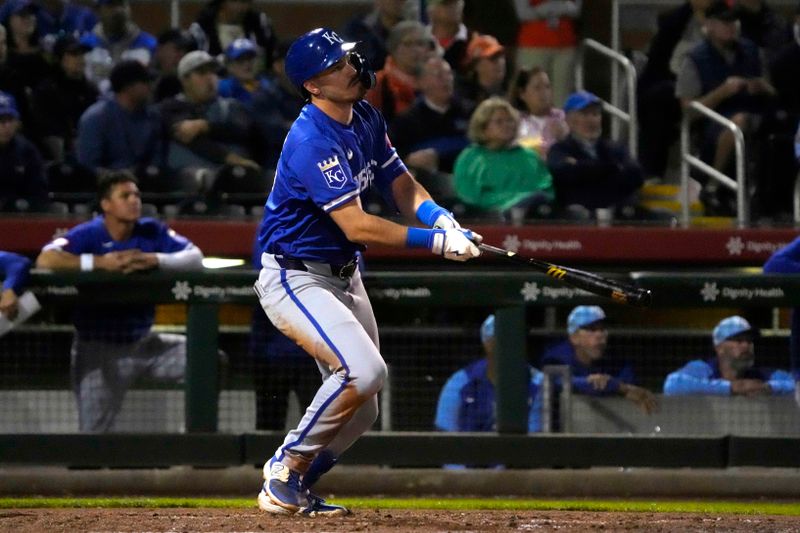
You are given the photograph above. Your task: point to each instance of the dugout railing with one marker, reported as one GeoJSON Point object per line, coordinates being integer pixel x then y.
{"type": "Point", "coordinates": [513, 296]}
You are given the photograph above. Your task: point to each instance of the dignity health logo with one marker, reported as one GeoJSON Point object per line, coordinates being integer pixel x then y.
{"type": "Point", "coordinates": [333, 172]}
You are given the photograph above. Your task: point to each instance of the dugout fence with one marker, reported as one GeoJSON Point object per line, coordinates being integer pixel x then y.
{"type": "Point", "coordinates": [429, 325]}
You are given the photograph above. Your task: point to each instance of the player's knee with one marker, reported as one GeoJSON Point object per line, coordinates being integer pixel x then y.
{"type": "Point", "coordinates": [371, 378]}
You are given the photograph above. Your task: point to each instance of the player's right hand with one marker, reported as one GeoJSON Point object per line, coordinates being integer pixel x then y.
{"type": "Point", "coordinates": [456, 244]}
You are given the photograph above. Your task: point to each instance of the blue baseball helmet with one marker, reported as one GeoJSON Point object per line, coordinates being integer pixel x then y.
{"type": "Point", "coordinates": [313, 52]}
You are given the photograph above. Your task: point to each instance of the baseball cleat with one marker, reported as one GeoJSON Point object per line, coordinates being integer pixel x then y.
{"type": "Point", "coordinates": [317, 506]}
{"type": "Point", "coordinates": [265, 504]}
{"type": "Point", "coordinates": [283, 488]}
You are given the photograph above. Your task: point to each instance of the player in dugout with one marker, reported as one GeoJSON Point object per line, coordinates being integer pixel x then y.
{"type": "Point", "coordinates": [731, 372]}
{"type": "Point", "coordinates": [14, 274]}
{"type": "Point", "coordinates": [593, 373]}
{"type": "Point", "coordinates": [467, 400]}
{"type": "Point", "coordinates": [309, 285]}
{"type": "Point", "coordinates": [113, 345]}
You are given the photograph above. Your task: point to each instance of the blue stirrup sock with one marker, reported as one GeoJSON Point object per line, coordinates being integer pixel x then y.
{"type": "Point", "coordinates": [319, 466]}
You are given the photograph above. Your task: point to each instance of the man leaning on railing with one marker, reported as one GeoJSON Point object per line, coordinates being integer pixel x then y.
{"type": "Point", "coordinates": [113, 344]}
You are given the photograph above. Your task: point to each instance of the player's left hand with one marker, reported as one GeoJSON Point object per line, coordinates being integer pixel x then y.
{"type": "Point", "coordinates": [456, 244]}
{"type": "Point", "coordinates": [446, 221]}
{"type": "Point", "coordinates": [645, 399]}
{"type": "Point", "coordinates": [8, 304]}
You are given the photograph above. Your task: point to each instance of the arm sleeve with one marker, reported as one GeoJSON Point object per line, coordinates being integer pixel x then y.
{"type": "Point", "coordinates": [14, 269]}
{"type": "Point", "coordinates": [781, 383]}
{"type": "Point", "coordinates": [695, 378]}
{"type": "Point", "coordinates": [450, 402]}
{"type": "Point", "coordinates": [190, 258]}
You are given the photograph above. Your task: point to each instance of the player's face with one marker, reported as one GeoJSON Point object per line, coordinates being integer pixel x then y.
{"type": "Point", "coordinates": [538, 94]}
{"type": "Point", "coordinates": [124, 203]}
{"type": "Point", "coordinates": [587, 123]}
{"type": "Point", "coordinates": [339, 83]}
{"type": "Point", "coordinates": [590, 342]}
{"type": "Point", "coordinates": [736, 352]}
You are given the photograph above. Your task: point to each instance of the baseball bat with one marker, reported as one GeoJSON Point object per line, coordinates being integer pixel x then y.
{"type": "Point", "coordinates": [587, 281]}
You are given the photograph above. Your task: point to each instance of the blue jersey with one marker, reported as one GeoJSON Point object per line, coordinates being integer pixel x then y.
{"type": "Point", "coordinates": [323, 165]}
{"type": "Point", "coordinates": [117, 323]}
{"type": "Point", "coordinates": [14, 271]}
{"type": "Point", "coordinates": [787, 261]}
{"type": "Point", "coordinates": [703, 377]}
{"type": "Point", "coordinates": [467, 400]}
{"type": "Point", "coordinates": [563, 353]}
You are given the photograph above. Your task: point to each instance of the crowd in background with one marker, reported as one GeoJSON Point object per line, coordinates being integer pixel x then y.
{"type": "Point", "coordinates": [199, 115]}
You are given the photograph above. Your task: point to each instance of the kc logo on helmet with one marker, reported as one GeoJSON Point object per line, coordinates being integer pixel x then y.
{"type": "Point", "coordinates": [332, 38]}
{"type": "Point", "coordinates": [333, 172]}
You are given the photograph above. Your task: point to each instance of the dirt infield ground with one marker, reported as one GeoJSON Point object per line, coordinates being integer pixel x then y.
{"type": "Point", "coordinates": [374, 520]}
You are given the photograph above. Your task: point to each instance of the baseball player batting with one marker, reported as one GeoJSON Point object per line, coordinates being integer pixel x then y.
{"type": "Point", "coordinates": [313, 229]}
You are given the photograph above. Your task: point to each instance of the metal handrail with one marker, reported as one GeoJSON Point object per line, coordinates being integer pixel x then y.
{"type": "Point", "coordinates": [797, 198]}
{"type": "Point", "coordinates": [688, 160]}
{"type": "Point", "coordinates": [631, 116]}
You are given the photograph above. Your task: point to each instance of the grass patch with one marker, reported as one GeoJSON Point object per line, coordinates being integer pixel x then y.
{"type": "Point", "coordinates": [453, 504]}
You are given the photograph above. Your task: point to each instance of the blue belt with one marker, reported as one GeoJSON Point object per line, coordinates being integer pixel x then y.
{"type": "Point", "coordinates": [342, 271]}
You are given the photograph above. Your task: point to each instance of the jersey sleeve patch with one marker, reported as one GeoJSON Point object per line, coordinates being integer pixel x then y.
{"type": "Point", "coordinates": [333, 172]}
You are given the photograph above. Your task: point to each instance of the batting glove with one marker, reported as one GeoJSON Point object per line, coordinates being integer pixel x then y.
{"type": "Point", "coordinates": [455, 244]}
{"type": "Point", "coordinates": [446, 221]}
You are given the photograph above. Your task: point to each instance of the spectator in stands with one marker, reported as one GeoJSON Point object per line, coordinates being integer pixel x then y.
{"type": "Point", "coordinates": [548, 37]}
{"type": "Point", "coordinates": [61, 99]}
{"type": "Point", "coordinates": [371, 31]}
{"type": "Point", "coordinates": [679, 30]}
{"type": "Point", "coordinates": [172, 45]}
{"type": "Point", "coordinates": [280, 366]}
{"type": "Point", "coordinates": [590, 172]}
{"type": "Point", "coordinates": [113, 344]}
{"type": "Point", "coordinates": [485, 73]}
{"type": "Point", "coordinates": [593, 372]}
{"type": "Point", "coordinates": [11, 82]}
{"type": "Point", "coordinates": [786, 260]}
{"type": "Point", "coordinates": [467, 400]}
{"type": "Point", "coordinates": [221, 22]}
{"type": "Point", "coordinates": [410, 45]}
{"type": "Point", "coordinates": [431, 134]}
{"type": "Point", "coordinates": [23, 186]}
{"type": "Point", "coordinates": [243, 78]}
{"type": "Point", "coordinates": [447, 27]}
{"type": "Point", "coordinates": [541, 124]}
{"type": "Point", "coordinates": [724, 73]}
{"type": "Point", "coordinates": [783, 71]}
{"type": "Point", "coordinates": [210, 138]}
{"type": "Point", "coordinates": [14, 273]}
{"type": "Point", "coordinates": [275, 106]}
{"type": "Point", "coordinates": [122, 131]}
{"type": "Point", "coordinates": [731, 372]}
{"type": "Point", "coordinates": [497, 175]}
{"type": "Point", "coordinates": [497, 18]}
{"type": "Point", "coordinates": [763, 25]}
{"type": "Point", "coordinates": [58, 17]}
{"type": "Point", "coordinates": [25, 56]}
{"type": "Point", "coordinates": [114, 39]}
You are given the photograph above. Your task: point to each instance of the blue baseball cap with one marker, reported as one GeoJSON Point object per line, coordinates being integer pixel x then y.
{"type": "Point", "coordinates": [584, 315]}
{"type": "Point", "coordinates": [487, 329]}
{"type": "Point", "coordinates": [581, 100]}
{"type": "Point", "coordinates": [239, 48]}
{"type": "Point", "coordinates": [730, 327]}
{"type": "Point", "coordinates": [8, 106]}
